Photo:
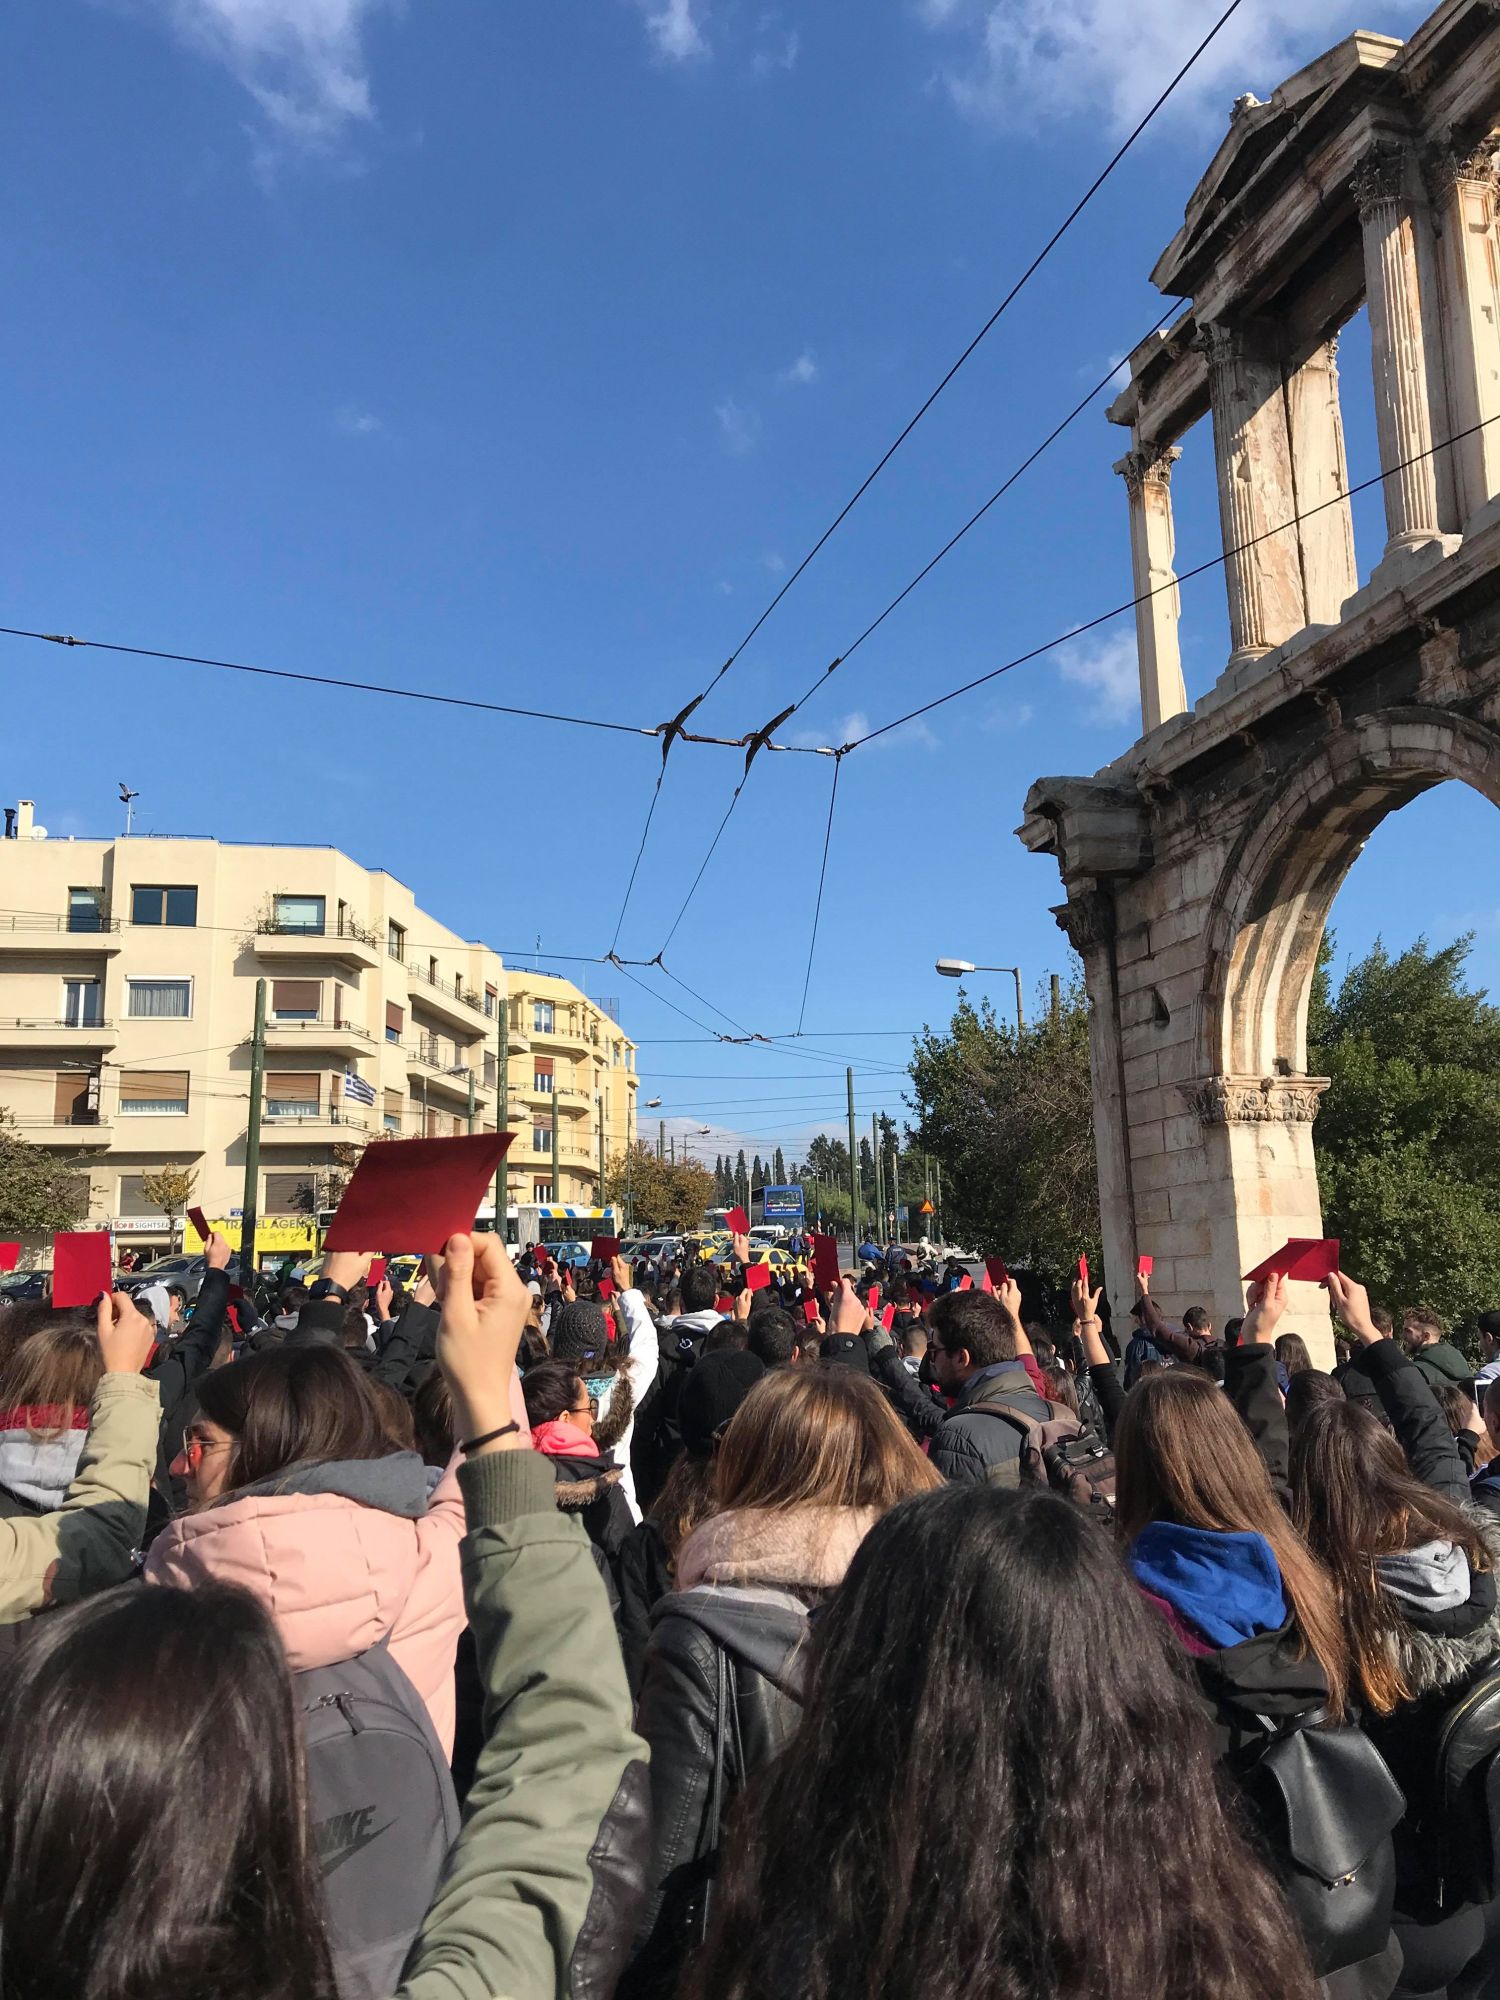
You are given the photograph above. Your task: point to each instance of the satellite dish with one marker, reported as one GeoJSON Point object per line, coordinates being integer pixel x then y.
{"type": "Point", "coordinates": [39, 833]}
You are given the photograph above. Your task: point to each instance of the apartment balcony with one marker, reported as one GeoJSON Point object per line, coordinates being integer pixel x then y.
{"type": "Point", "coordinates": [340, 1036]}
{"type": "Point", "coordinates": [346, 943]}
{"type": "Point", "coordinates": [438, 1074]}
{"type": "Point", "coordinates": [569, 1102]}
{"type": "Point", "coordinates": [59, 937]}
{"type": "Point", "coordinates": [450, 999]}
{"type": "Point", "coordinates": [315, 1125]}
{"type": "Point", "coordinates": [35, 1034]}
{"type": "Point", "coordinates": [79, 1134]}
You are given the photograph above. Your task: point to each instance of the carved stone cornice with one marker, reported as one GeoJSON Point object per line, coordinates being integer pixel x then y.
{"type": "Point", "coordinates": [1383, 175]}
{"type": "Point", "coordinates": [1148, 465]}
{"type": "Point", "coordinates": [1448, 166]}
{"type": "Point", "coordinates": [1088, 920]}
{"type": "Point", "coordinates": [1249, 1100]}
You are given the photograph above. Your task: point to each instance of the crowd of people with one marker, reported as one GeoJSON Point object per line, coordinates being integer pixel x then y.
{"type": "Point", "coordinates": [548, 1633]}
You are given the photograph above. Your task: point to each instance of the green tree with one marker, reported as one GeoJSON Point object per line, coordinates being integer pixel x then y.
{"type": "Point", "coordinates": [741, 1180]}
{"type": "Point", "coordinates": [171, 1190]}
{"type": "Point", "coordinates": [661, 1194]}
{"type": "Point", "coordinates": [1010, 1119]}
{"type": "Point", "coordinates": [778, 1170]}
{"type": "Point", "coordinates": [1407, 1165]}
{"type": "Point", "coordinates": [866, 1172]}
{"type": "Point", "coordinates": [38, 1194]}
{"type": "Point", "coordinates": [828, 1160]}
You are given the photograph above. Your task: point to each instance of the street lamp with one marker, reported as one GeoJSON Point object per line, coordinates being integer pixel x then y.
{"type": "Point", "coordinates": [958, 968]}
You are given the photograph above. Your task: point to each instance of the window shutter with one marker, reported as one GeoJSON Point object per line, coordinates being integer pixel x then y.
{"type": "Point", "coordinates": [394, 1104]}
{"type": "Point", "coordinates": [395, 1017]}
{"type": "Point", "coordinates": [293, 1086]}
{"type": "Point", "coordinates": [543, 1065]}
{"type": "Point", "coordinates": [72, 1096]}
{"type": "Point", "coordinates": [154, 1086]}
{"type": "Point", "coordinates": [132, 1197]}
{"type": "Point", "coordinates": [296, 996]}
{"type": "Point", "coordinates": [287, 1194]}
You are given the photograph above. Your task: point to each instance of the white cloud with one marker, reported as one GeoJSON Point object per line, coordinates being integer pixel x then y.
{"type": "Point", "coordinates": [910, 736]}
{"type": "Point", "coordinates": [726, 589]}
{"type": "Point", "coordinates": [1109, 669]}
{"type": "Point", "coordinates": [738, 427]}
{"type": "Point", "coordinates": [675, 32]}
{"type": "Point", "coordinates": [800, 372]}
{"type": "Point", "coordinates": [1007, 717]}
{"type": "Point", "coordinates": [1025, 61]}
{"type": "Point", "coordinates": [774, 563]}
{"type": "Point", "coordinates": [357, 423]}
{"type": "Point", "coordinates": [780, 52]}
{"type": "Point", "coordinates": [302, 61]}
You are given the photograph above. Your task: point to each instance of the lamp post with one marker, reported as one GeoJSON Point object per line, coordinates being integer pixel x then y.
{"type": "Point", "coordinates": [959, 968]}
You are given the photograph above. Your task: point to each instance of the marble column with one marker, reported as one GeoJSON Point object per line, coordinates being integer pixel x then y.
{"type": "Point", "coordinates": [1320, 473]}
{"type": "Point", "coordinates": [1257, 494]}
{"type": "Point", "coordinates": [1398, 343]}
{"type": "Point", "coordinates": [1463, 197]}
{"type": "Point", "coordinates": [1147, 472]}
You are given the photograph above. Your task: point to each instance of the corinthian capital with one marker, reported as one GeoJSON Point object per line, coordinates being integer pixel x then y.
{"type": "Point", "coordinates": [1381, 176]}
{"type": "Point", "coordinates": [1249, 1100]}
{"type": "Point", "coordinates": [1150, 464]}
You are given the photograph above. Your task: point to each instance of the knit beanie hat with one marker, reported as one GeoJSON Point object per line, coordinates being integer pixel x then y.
{"type": "Point", "coordinates": [713, 1391]}
{"type": "Point", "coordinates": [579, 1332]}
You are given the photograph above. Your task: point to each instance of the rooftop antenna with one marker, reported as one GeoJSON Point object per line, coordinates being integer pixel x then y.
{"type": "Point", "coordinates": [127, 799]}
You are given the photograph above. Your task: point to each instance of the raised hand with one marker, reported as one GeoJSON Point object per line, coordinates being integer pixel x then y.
{"type": "Point", "coordinates": [484, 1309]}
{"type": "Point", "coordinates": [1352, 1304]}
{"type": "Point", "coordinates": [1268, 1300]}
{"type": "Point", "coordinates": [126, 1336]}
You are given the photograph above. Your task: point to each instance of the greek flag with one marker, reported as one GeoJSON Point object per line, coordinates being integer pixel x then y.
{"type": "Point", "coordinates": [356, 1090]}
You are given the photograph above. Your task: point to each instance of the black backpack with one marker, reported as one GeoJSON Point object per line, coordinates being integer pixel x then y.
{"type": "Point", "coordinates": [1469, 1786]}
{"type": "Point", "coordinates": [382, 1812]}
{"type": "Point", "coordinates": [1057, 1452]}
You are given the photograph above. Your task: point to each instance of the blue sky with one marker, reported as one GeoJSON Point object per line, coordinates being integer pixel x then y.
{"type": "Point", "coordinates": [516, 348]}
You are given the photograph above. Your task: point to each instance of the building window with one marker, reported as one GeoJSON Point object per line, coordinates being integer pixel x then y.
{"type": "Point", "coordinates": [541, 1138]}
{"type": "Point", "coordinates": [82, 1003]}
{"type": "Point", "coordinates": [541, 1190]}
{"type": "Point", "coordinates": [543, 1015]}
{"type": "Point", "coordinates": [541, 1074]}
{"type": "Point", "coordinates": [293, 1093]}
{"type": "Point", "coordinates": [395, 1021]}
{"type": "Point", "coordinates": [491, 1069]}
{"type": "Point", "coordinates": [296, 999]}
{"type": "Point", "coordinates": [152, 904]}
{"type": "Point", "coordinates": [291, 1193]}
{"type": "Point", "coordinates": [76, 1098]}
{"type": "Point", "coordinates": [491, 1002]}
{"type": "Point", "coordinates": [131, 1199]}
{"type": "Point", "coordinates": [154, 1093]}
{"type": "Point", "coordinates": [159, 999]}
{"type": "Point", "coordinates": [85, 909]}
{"type": "Point", "coordinates": [391, 1113]}
{"type": "Point", "coordinates": [300, 913]}
{"type": "Point", "coordinates": [395, 941]}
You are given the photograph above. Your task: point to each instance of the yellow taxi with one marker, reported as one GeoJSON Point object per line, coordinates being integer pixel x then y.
{"type": "Point", "coordinates": [782, 1263]}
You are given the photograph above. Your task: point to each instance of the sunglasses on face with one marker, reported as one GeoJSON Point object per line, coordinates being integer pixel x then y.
{"type": "Point", "coordinates": [193, 1448]}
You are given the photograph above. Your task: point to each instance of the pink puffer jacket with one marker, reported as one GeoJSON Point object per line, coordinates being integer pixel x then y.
{"type": "Point", "coordinates": [341, 1555]}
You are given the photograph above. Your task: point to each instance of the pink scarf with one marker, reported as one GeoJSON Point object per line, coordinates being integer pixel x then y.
{"type": "Point", "coordinates": [560, 1439]}
{"type": "Point", "coordinates": [802, 1548]}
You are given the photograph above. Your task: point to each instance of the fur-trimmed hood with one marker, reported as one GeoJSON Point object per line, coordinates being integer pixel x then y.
{"type": "Point", "coordinates": [1444, 1651]}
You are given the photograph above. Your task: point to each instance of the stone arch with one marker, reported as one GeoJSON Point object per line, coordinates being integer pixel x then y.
{"type": "Point", "coordinates": [1272, 902]}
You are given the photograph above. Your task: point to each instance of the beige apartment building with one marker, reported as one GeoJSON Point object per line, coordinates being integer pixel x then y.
{"type": "Point", "coordinates": [128, 973]}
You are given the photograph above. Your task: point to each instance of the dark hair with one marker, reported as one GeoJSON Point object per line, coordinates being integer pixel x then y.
{"type": "Point", "coordinates": [686, 1499]}
{"type": "Point", "coordinates": [551, 1390]}
{"type": "Point", "coordinates": [728, 1333]}
{"type": "Point", "coordinates": [292, 1405]}
{"type": "Point", "coordinates": [976, 1321]}
{"type": "Point", "coordinates": [1044, 1759]}
{"type": "Point", "coordinates": [1232, 1330]}
{"type": "Point", "coordinates": [393, 1413]}
{"type": "Point", "coordinates": [1197, 1319]}
{"type": "Point", "coordinates": [432, 1420]}
{"type": "Point", "coordinates": [818, 1437]}
{"type": "Point", "coordinates": [773, 1336]}
{"type": "Point", "coordinates": [53, 1373]}
{"type": "Point", "coordinates": [1292, 1353]}
{"type": "Point", "coordinates": [1355, 1498]}
{"type": "Point", "coordinates": [699, 1287]}
{"type": "Point", "coordinates": [1383, 1320]}
{"type": "Point", "coordinates": [176, 1708]}
{"type": "Point", "coordinates": [1456, 1404]}
{"type": "Point", "coordinates": [1307, 1388]}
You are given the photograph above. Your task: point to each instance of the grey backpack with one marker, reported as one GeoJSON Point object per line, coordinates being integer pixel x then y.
{"type": "Point", "coordinates": [382, 1812]}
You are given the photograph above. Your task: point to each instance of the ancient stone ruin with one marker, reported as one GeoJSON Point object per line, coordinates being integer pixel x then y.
{"type": "Point", "coordinates": [1200, 866]}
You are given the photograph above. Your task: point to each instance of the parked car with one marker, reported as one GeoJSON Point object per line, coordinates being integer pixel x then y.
{"type": "Point", "coordinates": [181, 1270]}
{"type": "Point", "coordinates": [24, 1288]}
{"type": "Point", "coordinates": [574, 1255]}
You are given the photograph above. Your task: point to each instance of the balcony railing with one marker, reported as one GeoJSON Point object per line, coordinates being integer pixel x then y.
{"type": "Point", "coordinates": [342, 927]}
{"type": "Point", "coordinates": [82, 1121]}
{"type": "Point", "coordinates": [88, 926]}
{"type": "Point", "coordinates": [56, 1021]}
{"type": "Point", "coordinates": [314, 1115]}
{"type": "Point", "coordinates": [318, 1028]}
{"type": "Point", "coordinates": [456, 991]}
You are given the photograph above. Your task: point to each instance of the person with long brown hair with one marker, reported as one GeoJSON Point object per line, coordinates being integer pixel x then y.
{"type": "Point", "coordinates": [812, 1460]}
{"type": "Point", "coordinates": [1002, 1787]}
{"type": "Point", "coordinates": [1414, 1565]}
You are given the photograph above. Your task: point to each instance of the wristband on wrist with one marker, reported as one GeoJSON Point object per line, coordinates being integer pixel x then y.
{"type": "Point", "coordinates": [489, 1437]}
{"type": "Point", "coordinates": [325, 1288]}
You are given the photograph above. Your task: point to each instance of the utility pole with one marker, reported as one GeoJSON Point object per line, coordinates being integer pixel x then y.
{"type": "Point", "coordinates": [1056, 999]}
{"type": "Point", "coordinates": [853, 1170]}
{"type": "Point", "coordinates": [556, 1156]}
{"type": "Point", "coordinates": [661, 1138]}
{"type": "Point", "coordinates": [876, 1163]}
{"type": "Point", "coordinates": [937, 1199]}
{"type": "Point", "coordinates": [601, 1156]}
{"type": "Point", "coordinates": [471, 1100]}
{"type": "Point", "coordinates": [250, 1200]}
{"type": "Point", "coordinates": [896, 1190]}
{"type": "Point", "coordinates": [502, 1111]}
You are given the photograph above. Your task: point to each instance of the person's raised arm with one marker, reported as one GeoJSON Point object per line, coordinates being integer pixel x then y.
{"type": "Point", "coordinates": [1103, 1375]}
{"type": "Point", "coordinates": [1250, 1380]}
{"type": "Point", "coordinates": [1404, 1391]}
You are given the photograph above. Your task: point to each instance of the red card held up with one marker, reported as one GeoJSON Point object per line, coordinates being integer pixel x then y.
{"type": "Point", "coordinates": [966, 1283]}
{"type": "Point", "coordinates": [985, 1283]}
{"type": "Point", "coordinates": [605, 1247]}
{"type": "Point", "coordinates": [81, 1266]}
{"type": "Point", "coordinates": [810, 1311]}
{"type": "Point", "coordinates": [376, 1272]}
{"type": "Point", "coordinates": [737, 1222]}
{"type": "Point", "coordinates": [995, 1271]}
{"type": "Point", "coordinates": [825, 1261]}
{"type": "Point", "coordinates": [872, 1297]}
{"type": "Point", "coordinates": [723, 1303]}
{"type": "Point", "coordinates": [200, 1222]}
{"type": "Point", "coordinates": [888, 1318]}
{"type": "Point", "coordinates": [413, 1194]}
{"type": "Point", "coordinates": [1306, 1258]}
{"type": "Point", "coordinates": [10, 1256]}
{"type": "Point", "coordinates": [1144, 1266]}
{"type": "Point", "coordinates": [1083, 1272]}
{"type": "Point", "coordinates": [757, 1277]}
{"type": "Point", "coordinates": [606, 1290]}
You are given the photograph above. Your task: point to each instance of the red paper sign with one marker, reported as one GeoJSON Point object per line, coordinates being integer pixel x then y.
{"type": "Point", "coordinates": [606, 1290]}
{"type": "Point", "coordinates": [966, 1283]}
{"type": "Point", "coordinates": [888, 1318]}
{"type": "Point", "coordinates": [1144, 1266]}
{"type": "Point", "coordinates": [10, 1255]}
{"type": "Point", "coordinates": [200, 1222]}
{"type": "Point", "coordinates": [81, 1266]}
{"type": "Point", "coordinates": [376, 1272]}
{"type": "Point", "coordinates": [757, 1277]}
{"type": "Point", "coordinates": [995, 1271]}
{"type": "Point", "coordinates": [1306, 1258]}
{"type": "Point", "coordinates": [723, 1304]}
{"type": "Point", "coordinates": [737, 1222]}
{"type": "Point", "coordinates": [825, 1261]}
{"type": "Point", "coordinates": [872, 1297]}
{"type": "Point", "coordinates": [1083, 1272]}
{"type": "Point", "coordinates": [414, 1194]}
{"type": "Point", "coordinates": [810, 1311]}
{"type": "Point", "coordinates": [605, 1247]}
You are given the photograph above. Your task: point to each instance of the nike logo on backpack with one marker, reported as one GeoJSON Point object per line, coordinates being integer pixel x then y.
{"type": "Point", "coordinates": [338, 1839]}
